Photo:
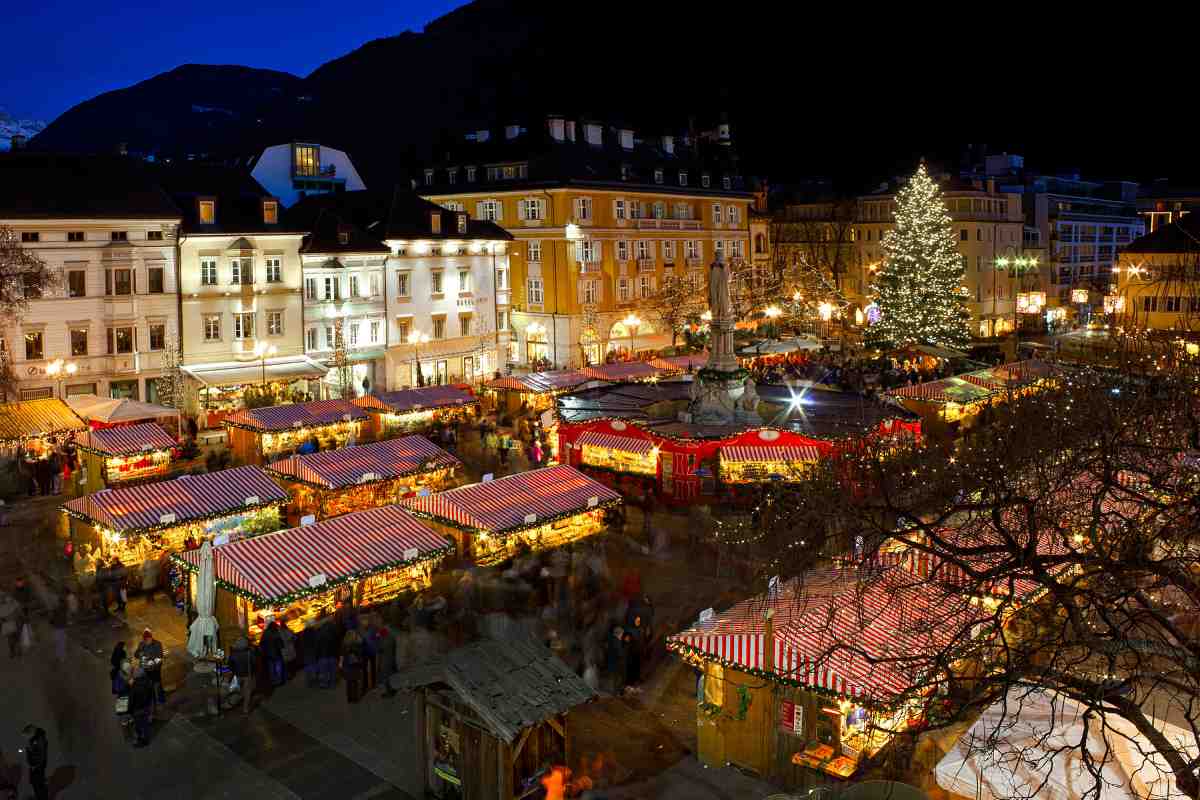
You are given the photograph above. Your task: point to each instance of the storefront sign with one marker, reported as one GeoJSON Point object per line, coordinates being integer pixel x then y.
{"type": "Point", "coordinates": [252, 500]}
{"type": "Point", "coordinates": [488, 476]}
{"type": "Point", "coordinates": [367, 477]}
{"type": "Point", "coordinates": [410, 554]}
{"type": "Point", "coordinates": [317, 580]}
{"type": "Point", "coordinates": [593, 502]}
{"type": "Point", "coordinates": [791, 718]}
{"type": "Point", "coordinates": [530, 519]}
{"type": "Point", "coordinates": [706, 614]}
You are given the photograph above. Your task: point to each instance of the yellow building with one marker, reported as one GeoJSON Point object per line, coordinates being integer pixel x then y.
{"type": "Point", "coordinates": [1156, 280]}
{"type": "Point", "coordinates": [600, 219]}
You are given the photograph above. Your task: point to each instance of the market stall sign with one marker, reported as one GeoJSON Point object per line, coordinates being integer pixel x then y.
{"type": "Point", "coordinates": [317, 580]}
{"type": "Point", "coordinates": [367, 477]}
{"type": "Point", "coordinates": [791, 718]}
{"type": "Point", "coordinates": [410, 554]}
{"type": "Point", "coordinates": [593, 501]}
{"type": "Point", "coordinates": [308, 519]}
{"type": "Point", "coordinates": [166, 519]}
{"type": "Point", "coordinates": [530, 519]}
{"type": "Point", "coordinates": [252, 500]}
{"type": "Point", "coordinates": [706, 614]}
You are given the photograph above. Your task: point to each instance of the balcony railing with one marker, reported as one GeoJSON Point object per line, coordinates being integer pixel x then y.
{"type": "Point", "coordinates": [668, 224]}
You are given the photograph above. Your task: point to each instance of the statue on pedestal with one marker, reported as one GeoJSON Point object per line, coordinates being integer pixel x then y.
{"type": "Point", "coordinates": [721, 393]}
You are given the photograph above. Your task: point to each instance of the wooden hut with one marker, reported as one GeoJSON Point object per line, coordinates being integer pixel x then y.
{"type": "Point", "coordinates": [632, 371]}
{"type": "Point", "coordinates": [114, 456]}
{"type": "Point", "coordinates": [140, 523]}
{"type": "Point", "coordinates": [258, 435]}
{"type": "Point", "coordinates": [535, 390]}
{"type": "Point", "coordinates": [539, 509]}
{"type": "Point", "coordinates": [370, 475]}
{"type": "Point", "coordinates": [492, 718]}
{"type": "Point", "coordinates": [302, 574]}
{"type": "Point", "coordinates": [408, 410]}
{"type": "Point", "coordinates": [29, 425]}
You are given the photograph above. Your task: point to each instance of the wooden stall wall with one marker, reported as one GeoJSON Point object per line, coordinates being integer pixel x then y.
{"type": "Point", "coordinates": [785, 744]}
{"type": "Point", "coordinates": [480, 761]}
{"type": "Point", "coordinates": [245, 446]}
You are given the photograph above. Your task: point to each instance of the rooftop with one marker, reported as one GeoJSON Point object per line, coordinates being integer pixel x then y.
{"type": "Point", "coordinates": [47, 186]}
{"type": "Point", "coordinates": [1180, 237]}
{"type": "Point", "coordinates": [368, 463]}
{"type": "Point", "coordinates": [238, 200]}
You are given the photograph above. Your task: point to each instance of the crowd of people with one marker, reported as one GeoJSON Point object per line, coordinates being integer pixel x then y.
{"type": "Point", "coordinates": [851, 371]}
{"type": "Point", "coordinates": [45, 469]}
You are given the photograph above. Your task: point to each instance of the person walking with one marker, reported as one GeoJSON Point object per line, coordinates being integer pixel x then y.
{"type": "Point", "coordinates": [117, 574]}
{"type": "Point", "coordinates": [241, 663]}
{"type": "Point", "coordinates": [37, 754]}
{"type": "Point", "coordinates": [117, 662]}
{"type": "Point", "coordinates": [150, 653]}
{"type": "Point", "coordinates": [352, 665]}
{"type": "Point", "coordinates": [272, 648]}
{"type": "Point", "coordinates": [141, 705]}
{"type": "Point", "coordinates": [386, 648]}
{"type": "Point", "coordinates": [309, 653]}
{"type": "Point", "coordinates": [329, 642]}
{"type": "Point", "coordinates": [370, 645]}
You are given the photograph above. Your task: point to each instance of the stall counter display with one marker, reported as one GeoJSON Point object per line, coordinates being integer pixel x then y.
{"type": "Point", "coordinates": [125, 454]}
{"type": "Point", "coordinates": [30, 424]}
{"type": "Point", "coordinates": [259, 435]}
{"type": "Point", "coordinates": [410, 410]}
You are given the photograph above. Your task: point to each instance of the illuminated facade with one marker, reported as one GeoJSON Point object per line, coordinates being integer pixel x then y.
{"type": "Point", "coordinates": [1155, 285]}
{"type": "Point", "coordinates": [297, 170]}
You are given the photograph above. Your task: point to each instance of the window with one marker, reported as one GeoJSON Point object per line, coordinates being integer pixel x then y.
{"type": "Point", "coordinates": [435, 221]}
{"type": "Point", "coordinates": [274, 323]}
{"type": "Point", "coordinates": [208, 272]}
{"type": "Point", "coordinates": [533, 251]}
{"type": "Point", "coordinates": [243, 326]}
{"type": "Point", "coordinates": [310, 288]}
{"type": "Point", "coordinates": [155, 275]}
{"type": "Point", "coordinates": [402, 330]}
{"type": "Point", "coordinates": [979, 263]}
{"type": "Point", "coordinates": [79, 344]}
{"type": "Point", "coordinates": [464, 326]}
{"type": "Point", "coordinates": [439, 327]}
{"type": "Point", "coordinates": [962, 235]}
{"type": "Point", "coordinates": [121, 340]}
{"type": "Point", "coordinates": [402, 284]}
{"type": "Point", "coordinates": [311, 335]}
{"type": "Point", "coordinates": [31, 286]}
{"type": "Point", "coordinates": [76, 283]}
{"type": "Point", "coordinates": [619, 208]}
{"type": "Point", "coordinates": [658, 176]}
{"type": "Point", "coordinates": [488, 210]}
{"type": "Point", "coordinates": [235, 271]}
{"type": "Point", "coordinates": [622, 250]}
{"type": "Point", "coordinates": [306, 160]}
{"type": "Point", "coordinates": [683, 177]}
{"type": "Point", "coordinates": [643, 249]}
{"type": "Point", "coordinates": [75, 236]}
{"type": "Point", "coordinates": [535, 291]}
{"type": "Point", "coordinates": [429, 177]}
{"type": "Point", "coordinates": [451, 176]}
{"type": "Point", "coordinates": [154, 236]}
{"type": "Point", "coordinates": [208, 211]}
{"type": "Point", "coordinates": [118, 281]}
{"type": "Point", "coordinates": [462, 223]}
{"type": "Point", "coordinates": [534, 209]}
{"type": "Point", "coordinates": [683, 211]}
{"type": "Point", "coordinates": [660, 210]}
{"type": "Point", "coordinates": [247, 271]}
{"type": "Point", "coordinates": [212, 327]}
{"type": "Point", "coordinates": [705, 180]}
{"type": "Point", "coordinates": [375, 281]}
{"type": "Point", "coordinates": [591, 291]}
{"type": "Point", "coordinates": [623, 290]}
{"type": "Point", "coordinates": [692, 248]}
{"type": "Point", "coordinates": [716, 213]}
{"type": "Point", "coordinates": [501, 278]}
{"type": "Point", "coordinates": [587, 251]}
{"type": "Point", "coordinates": [464, 280]}
{"type": "Point", "coordinates": [979, 234]}
{"type": "Point", "coordinates": [30, 236]}
{"type": "Point", "coordinates": [274, 270]}
{"type": "Point", "coordinates": [270, 212]}
{"type": "Point", "coordinates": [352, 329]}
{"type": "Point", "coordinates": [502, 320]}
{"type": "Point", "coordinates": [354, 286]}
{"type": "Point", "coordinates": [470, 174]}
{"type": "Point", "coordinates": [119, 236]}
{"type": "Point", "coordinates": [727, 182]}
{"type": "Point", "coordinates": [33, 345]}
{"type": "Point", "coordinates": [333, 290]}
{"type": "Point", "coordinates": [435, 281]}
{"type": "Point", "coordinates": [739, 248]}
{"type": "Point", "coordinates": [760, 243]}
{"type": "Point", "coordinates": [583, 208]}
{"type": "Point", "coordinates": [330, 338]}
{"type": "Point", "coordinates": [668, 251]}
{"type": "Point", "coordinates": [718, 248]}
{"type": "Point", "coordinates": [646, 285]}
{"type": "Point", "coordinates": [635, 209]}
{"type": "Point", "coordinates": [731, 215]}
{"type": "Point", "coordinates": [374, 331]}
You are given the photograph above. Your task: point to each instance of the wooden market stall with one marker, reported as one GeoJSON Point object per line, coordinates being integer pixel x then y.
{"type": "Point", "coordinates": [370, 475]}
{"type": "Point", "coordinates": [303, 574]}
{"type": "Point", "coordinates": [540, 509]}
{"type": "Point", "coordinates": [409, 410]}
{"type": "Point", "coordinates": [259, 435]}
{"type": "Point", "coordinates": [632, 371]}
{"type": "Point", "coordinates": [492, 718]}
{"type": "Point", "coordinates": [30, 425]}
{"type": "Point", "coordinates": [113, 456]}
{"type": "Point", "coordinates": [760, 463]}
{"type": "Point", "coordinates": [145, 522]}
{"type": "Point", "coordinates": [534, 390]}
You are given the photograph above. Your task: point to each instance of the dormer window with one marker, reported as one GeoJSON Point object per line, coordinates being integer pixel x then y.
{"type": "Point", "coordinates": [270, 212]}
{"type": "Point", "coordinates": [658, 176]}
{"type": "Point", "coordinates": [470, 174]}
{"type": "Point", "coordinates": [452, 176]}
{"type": "Point", "coordinates": [343, 236]}
{"type": "Point", "coordinates": [624, 172]}
{"type": "Point", "coordinates": [462, 223]}
{"type": "Point", "coordinates": [306, 160]}
{"type": "Point", "coordinates": [435, 221]}
{"type": "Point", "coordinates": [727, 182]}
{"type": "Point", "coordinates": [429, 177]}
{"type": "Point", "coordinates": [208, 211]}
{"type": "Point", "coordinates": [683, 177]}
{"type": "Point", "coordinates": [705, 181]}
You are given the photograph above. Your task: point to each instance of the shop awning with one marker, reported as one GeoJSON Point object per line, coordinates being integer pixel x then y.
{"type": "Point", "coordinates": [517, 502]}
{"type": "Point", "coordinates": [136, 509]}
{"type": "Point", "coordinates": [540, 382]}
{"type": "Point", "coordinates": [278, 566]}
{"type": "Point", "coordinates": [613, 441]}
{"type": "Point", "coordinates": [296, 415]}
{"type": "Point", "coordinates": [127, 440]}
{"type": "Point", "coordinates": [626, 371]}
{"type": "Point", "coordinates": [33, 418]}
{"type": "Point", "coordinates": [112, 410]}
{"type": "Point", "coordinates": [767, 455]}
{"type": "Point", "coordinates": [366, 463]}
{"type": "Point", "coordinates": [243, 372]}
{"type": "Point", "coordinates": [427, 398]}
{"type": "Point", "coordinates": [691, 361]}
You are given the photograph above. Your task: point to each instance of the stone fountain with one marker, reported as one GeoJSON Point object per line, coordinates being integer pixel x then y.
{"type": "Point", "coordinates": [722, 393]}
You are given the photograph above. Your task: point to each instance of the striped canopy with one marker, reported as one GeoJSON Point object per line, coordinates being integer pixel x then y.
{"type": "Point", "coordinates": [613, 441]}
{"type": "Point", "coordinates": [335, 469]}
{"type": "Point", "coordinates": [788, 453]}
{"type": "Point", "coordinates": [33, 418]}
{"type": "Point", "coordinates": [127, 440]}
{"type": "Point", "coordinates": [685, 362]}
{"type": "Point", "coordinates": [934, 391]}
{"type": "Point", "coordinates": [983, 380]}
{"type": "Point", "coordinates": [270, 567]}
{"type": "Point", "coordinates": [540, 382]}
{"type": "Point", "coordinates": [517, 502]}
{"type": "Point", "coordinates": [627, 371]}
{"type": "Point", "coordinates": [296, 415]}
{"type": "Point", "coordinates": [427, 398]}
{"type": "Point", "coordinates": [191, 497]}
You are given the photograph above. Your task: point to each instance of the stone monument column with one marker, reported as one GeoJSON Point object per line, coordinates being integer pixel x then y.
{"type": "Point", "coordinates": [720, 357]}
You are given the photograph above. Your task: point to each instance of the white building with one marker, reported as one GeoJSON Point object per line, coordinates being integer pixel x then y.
{"type": "Point", "coordinates": [111, 231]}
{"type": "Point", "coordinates": [291, 172]}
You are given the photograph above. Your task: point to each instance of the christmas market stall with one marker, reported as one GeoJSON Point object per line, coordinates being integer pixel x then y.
{"type": "Point", "coordinates": [223, 385]}
{"type": "Point", "coordinates": [148, 521]}
{"type": "Point", "coordinates": [632, 371]}
{"type": "Point", "coordinates": [260, 435]}
{"type": "Point", "coordinates": [535, 390]}
{"type": "Point", "coordinates": [113, 456]}
{"type": "Point", "coordinates": [493, 521]}
{"type": "Point", "coordinates": [492, 719]}
{"type": "Point", "coordinates": [108, 412]}
{"type": "Point", "coordinates": [410, 410]}
{"type": "Point", "coordinates": [761, 462]}
{"type": "Point", "coordinates": [960, 398]}
{"type": "Point", "coordinates": [354, 478]}
{"type": "Point", "coordinates": [303, 574]}
{"type": "Point", "coordinates": [29, 426]}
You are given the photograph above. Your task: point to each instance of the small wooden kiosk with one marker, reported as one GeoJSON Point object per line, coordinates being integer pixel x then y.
{"type": "Point", "coordinates": [754, 464]}
{"type": "Point", "coordinates": [259, 435]}
{"type": "Point", "coordinates": [302, 574]}
{"type": "Point", "coordinates": [535, 390]}
{"type": "Point", "coordinates": [541, 509]}
{"type": "Point", "coordinates": [137, 523]}
{"type": "Point", "coordinates": [493, 717]}
{"type": "Point", "coordinates": [370, 475]}
{"type": "Point", "coordinates": [409, 410]}
{"type": "Point", "coordinates": [29, 425]}
{"type": "Point", "coordinates": [631, 371]}
{"type": "Point", "coordinates": [114, 456]}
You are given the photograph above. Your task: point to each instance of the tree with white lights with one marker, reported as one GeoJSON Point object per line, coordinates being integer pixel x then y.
{"type": "Point", "coordinates": [919, 287]}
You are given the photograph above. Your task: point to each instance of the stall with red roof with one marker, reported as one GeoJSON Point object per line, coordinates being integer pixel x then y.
{"type": "Point", "coordinates": [259, 435]}
{"type": "Point", "coordinates": [409, 410]}
{"type": "Point", "coordinates": [121, 455]}
{"type": "Point", "coordinates": [535, 390]}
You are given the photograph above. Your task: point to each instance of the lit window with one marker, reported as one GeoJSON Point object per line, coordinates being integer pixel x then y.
{"type": "Point", "coordinates": [402, 284]}
{"type": "Point", "coordinates": [310, 288]}
{"type": "Point", "coordinates": [33, 345]}
{"type": "Point", "coordinates": [274, 270]}
{"type": "Point", "coordinates": [402, 328]}
{"type": "Point", "coordinates": [274, 323]}
{"type": "Point", "coordinates": [439, 327]}
{"type": "Point", "coordinates": [533, 251]}
{"type": "Point", "coordinates": [535, 291]}
{"type": "Point", "coordinates": [462, 223]}
{"type": "Point", "coordinates": [464, 326]}
{"type": "Point", "coordinates": [208, 212]}
{"type": "Point", "coordinates": [311, 335]}
{"type": "Point", "coordinates": [243, 326]}
{"type": "Point", "coordinates": [158, 336]}
{"type": "Point", "coordinates": [212, 327]}
{"type": "Point", "coordinates": [79, 340]}
{"type": "Point", "coordinates": [435, 281]}
{"type": "Point", "coordinates": [270, 212]}
{"type": "Point", "coordinates": [375, 332]}
{"type": "Point", "coordinates": [435, 221]}
{"type": "Point", "coordinates": [208, 272]}
{"type": "Point", "coordinates": [464, 280]}
{"type": "Point", "coordinates": [307, 161]}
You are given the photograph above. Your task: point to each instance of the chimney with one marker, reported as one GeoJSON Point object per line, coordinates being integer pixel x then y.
{"type": "Point", "coordinates": [668, 145]}
{"type": "Point", "coordinates": [593, 134]}
{"type": "Point", "coordinates": [626, 137]}
{"type": "Point", "coordinates": [557, 128]}
{"type": "Point", "coordinates": [570, 130]}
{"type": "Point", "coordinates": [512, 131]}
{"type": "Point", "coordinates": [482, 135]}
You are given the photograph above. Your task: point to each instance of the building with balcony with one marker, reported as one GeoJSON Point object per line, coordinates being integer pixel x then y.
{"type": "Point", "coordinates": [293, 171]}
{"type": "Point", "coordinates": [600, 217]}
{"type": "Point", "coordinates": [110, 230]}
{"type": "Point", "coordinates": [1161, 204]}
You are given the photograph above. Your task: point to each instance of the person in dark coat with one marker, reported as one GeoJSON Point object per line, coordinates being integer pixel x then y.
{"type": "Point", "coordinates": [633, 660]}
{"type": "Point", "coordinates": [37, 754]}
{"type": "Point", "coordinates": [116, 661]}
{"type": "Point", "coordinates": [272, 648]}
{"type": "Point", "coordinates": [141, 706]}
{"type": "Point", "coordinates": [241, 663]}
{"type": "Point", "coordinates": [309, 653]}
{"type": "Point", "coordinates": [385, 645]}
{"type": "Point", "coordinates": [329, 644]}
{"type": "Point", "coordinates": [352, 665]}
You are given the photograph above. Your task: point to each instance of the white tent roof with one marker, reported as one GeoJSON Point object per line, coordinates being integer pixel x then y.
{"type": "Point", "coordinates": [1028, 746]}
{"type": "Point", "coordinates": [110, 409]}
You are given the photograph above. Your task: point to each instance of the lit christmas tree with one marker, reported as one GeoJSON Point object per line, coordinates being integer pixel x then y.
{"type": "Point", "coordinates": [919, 288]}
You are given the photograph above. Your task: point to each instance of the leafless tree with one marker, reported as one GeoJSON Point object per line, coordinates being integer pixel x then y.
{"type": "Point", "coordinates": [678, 301]}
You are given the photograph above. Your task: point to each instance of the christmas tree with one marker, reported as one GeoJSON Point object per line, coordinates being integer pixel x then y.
{"type": "Point", "coordinates": [919, 289]}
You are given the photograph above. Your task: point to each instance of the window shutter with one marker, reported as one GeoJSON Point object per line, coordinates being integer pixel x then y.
{"type": "Point", "coordinates": [596, 252]}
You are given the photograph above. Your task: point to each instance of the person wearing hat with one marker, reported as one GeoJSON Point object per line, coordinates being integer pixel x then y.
{"type": "Point", "coordinates": [37, 753]}
{"type": "Point", "coordinates": [150, 652]}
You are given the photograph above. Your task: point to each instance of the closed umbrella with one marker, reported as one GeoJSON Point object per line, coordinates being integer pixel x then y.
{"type": "Point", "coordinates": [202, 635]}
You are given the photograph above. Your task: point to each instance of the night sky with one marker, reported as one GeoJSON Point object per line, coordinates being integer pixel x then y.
{"type": "Point", "coordinates": [61, 53]}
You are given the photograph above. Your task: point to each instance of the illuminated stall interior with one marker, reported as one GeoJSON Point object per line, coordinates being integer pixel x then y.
{"type": "Point", "coordinates": [137, 523]}
{"type": "Point", "coordinates": [541, 509]}
{"type": "Point", "coordinates": [223, 385]}
{"type": "Point", "coordinates": [302, 574]}
{"type": "Point", "coordinates": [370, 475]}
{"type": "Point", "coordinates": [259, 435]}
{"type": "Point", "coordinates": [756, 464]}
{"type": "Point", "coordinates": [410, 410]}
{"type": "Point", "coordinates": [112, 456]}
{"type": "Point", "coordinates": [535, 390]}
{"type": "Point", "coordinates": [29, 425]}
{"type": "Point", "coordinates": [632, 371]}
{"type": "Point", "coordinates": [962, 396]}
{"type": "Point", "coordinates": [618, 453]}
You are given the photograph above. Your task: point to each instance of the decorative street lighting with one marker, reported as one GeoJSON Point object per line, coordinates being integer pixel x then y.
{"type": "Point", "coordinates": [59, 367]}
{"type": "Point", "coordinates": [633, 322]}
{"type": "Point", "coordinates": [264, 351]}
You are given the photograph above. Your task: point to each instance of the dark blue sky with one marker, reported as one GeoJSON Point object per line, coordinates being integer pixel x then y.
{"type": "Point", "coordinates": [59, 53]}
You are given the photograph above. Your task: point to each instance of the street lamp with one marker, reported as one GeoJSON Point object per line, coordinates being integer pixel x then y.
{"type": "Point", "coordinates": [772, 313]}
{"type": "Point", "coordinates": [264, 351]}
{"type": "Point", "coordinates": [418, 338]}
{"type": "Point", "coordinates": [59, 367]}
{"type": "Point", "coordinates": [633, 323]}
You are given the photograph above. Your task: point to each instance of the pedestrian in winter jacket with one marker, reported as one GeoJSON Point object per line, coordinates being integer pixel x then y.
{"type": "Point", "coordinates": [352, 665]}
{"type": "Point", "coordinates": [241, 663]}
{"type": "Point", "coordinates": [37, 754]}
{"type": "Point", "coordinates": [141, 705]}
{"type": "Point", "coordinates": [329, 646]}
{"type": "Point", "coordinates": [272, 647]}
{"type": "Point", "coordinates": [309, 652]}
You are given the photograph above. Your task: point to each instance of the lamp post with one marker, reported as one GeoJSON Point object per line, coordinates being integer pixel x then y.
{"type": "Point", "coordinates": [418, 338]}
{"type": "Point", "coordinates": [633, 322]}
{"type": "Point", "coordinates": [59, 367]}
{"type": "Point", "coordinates": [264, 351]}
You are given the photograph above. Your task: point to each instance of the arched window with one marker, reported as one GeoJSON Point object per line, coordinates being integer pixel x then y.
{"type": "Point", "coordinates": [760, 243]}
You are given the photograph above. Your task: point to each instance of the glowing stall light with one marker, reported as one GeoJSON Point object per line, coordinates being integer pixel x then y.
{"type": "Point", "coordinates": [1114, 303]}
{"type": "Point", "coordinates": [859, 317]}
{"type": "Point", "coordinates": [825, 311]}
{"type": "Point", "coordinates": [772, 312]}
{"type": "Point", "coordinates": [1079, 295]}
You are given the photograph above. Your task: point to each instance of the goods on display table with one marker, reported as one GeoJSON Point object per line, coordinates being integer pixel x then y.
{"type": "Point", "coordinates": [302, 574]}
{"type": "Point", "coordinates": [29, 425]}
{"type": "Point", "coordinates": [258, 435]}
{"type": "Point", "coordinates": [409, 410]}
{"type": "Point", "coordinates": [534, 390]}
{"type": "Point", "coordinates": [638, 456]}
{"type": "Point", "coordinates": [541, 509]}
{"type": "Point", "coordinates": [760, 463]}
{"type": "Point", "coordinates": [370, 475]}
{"type": "Point", "coordinates": [112, 456]}
{"type": "Point", "coordinates": [223, 385]}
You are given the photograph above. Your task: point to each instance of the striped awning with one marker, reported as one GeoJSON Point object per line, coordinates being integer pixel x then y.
{"type": "Point", "coordinates": [983, 381]}
{"type": "Point", "coordinates": [127, 440]}
{"type": "Point", "coordinates": [613, 441]}
{"type": "Point", "coordinates": [517, 502]}
{"type": "Point", "coordinates": [540, 382]}
{"type": "Point", "coordinates": [275, 565]}
{"type": "Point", "coordinates": [691, 361]}
{"type": "Point", "coordinates": [627, 371]}
{"type": "Point", "coordinates": [192, 497]}
{"type": "Point", "coordinates": [766, 455]}
{"type": "Point", "coordinates": [296, 415]}
{"type": "Point", "coordinates": [34, 418]}
{"type": "Point", "coordinates": [379, 461]}
{"type": "Point", "coordinates": [933, 391]}
{"type": "Point", "coordinates": [427, 398]}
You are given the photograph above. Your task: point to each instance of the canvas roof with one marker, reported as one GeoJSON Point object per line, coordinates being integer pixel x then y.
{"type": "Point", "coordinates": [33, 418]}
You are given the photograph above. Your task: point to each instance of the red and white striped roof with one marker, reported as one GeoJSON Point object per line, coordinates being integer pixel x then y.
{"type": "Point", "coordinates": [132, 509]}
{"type": "Point", "coordinates": [427, 398]}
{"type": "Point", "coordinates": [984, 381]}
{"type": "Point", "coordinates": [296, 415]}
{"type": "Point", "coordinates": [933, 391]}
{"type": "Point", "coordinates": [767, 454]}
{"type": "Point", "coordinates": [626, 371]}
{"type": "Point", "coordinates": [540, 382]}
{"type": "Point", "coordinates": [506, 504]}
{"type": "Point", "coordinates": [274, 565]}
{"type": "Point", "coordinates": [614, 441]}
{"type": "Point", "coordinates": [127, 440]}
{"type": "Point", "coordinates": [685, 362]}
{"type": "Point", "coordinates": [394, 458]}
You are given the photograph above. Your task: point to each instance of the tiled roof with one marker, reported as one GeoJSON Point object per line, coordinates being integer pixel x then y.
{"type": "Point", "coordinates": [398, 214]}
{"type": "Point", "coordinates": [1180, 237]}
{"type": "Point", "coordinates": [127, 439]}
{"type": "Point", "coordinates": [426, 398]}
{"type": "Point", "coordinates": [239, 199]}
{"type": "Point", "coordinates": [293, 415]}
